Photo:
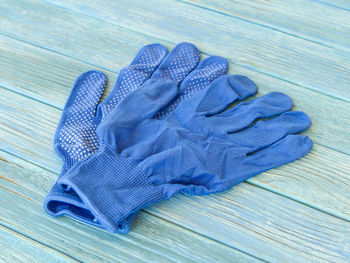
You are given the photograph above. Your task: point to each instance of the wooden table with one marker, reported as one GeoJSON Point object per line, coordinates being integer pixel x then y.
{"type": "Point", "coordinates": [297, 213]}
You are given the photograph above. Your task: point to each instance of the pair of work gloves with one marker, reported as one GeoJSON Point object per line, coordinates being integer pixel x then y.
{"type": "Point", "coordinates": [164, 129]}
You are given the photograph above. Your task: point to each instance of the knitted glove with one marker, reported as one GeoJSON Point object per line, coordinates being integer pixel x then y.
{"type": "Point", "coordinates": [76, 137]}
{"type": "Point", "coordinates": [197, 149]}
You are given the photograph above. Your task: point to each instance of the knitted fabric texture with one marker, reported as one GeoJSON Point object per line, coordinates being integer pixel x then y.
{"type": "Point", "coordinates": [76, 138]}
{"type": "Point", "coordinates": [197, 149]}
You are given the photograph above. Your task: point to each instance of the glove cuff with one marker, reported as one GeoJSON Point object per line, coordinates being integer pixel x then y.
{"type": "Point", "coordinates": [113, 187]}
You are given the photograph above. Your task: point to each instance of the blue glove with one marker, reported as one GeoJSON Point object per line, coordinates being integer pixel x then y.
{"type": "Point", "coordinates": [197, 149]}
{"type": "Point", "coordinates": [76, 137]}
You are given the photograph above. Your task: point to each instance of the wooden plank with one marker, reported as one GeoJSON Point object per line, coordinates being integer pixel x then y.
{"type": "Point", "coordinates": [34, 125]}
{"type": "Point", "coordinates": [41, 74]}
{"type": "Point", "coordinates": [276, 227]}
{"type": "Point", "coordinates": [152, 239]}
{"type": "Point", "coordinates": [273, 254]}
{"type": "Point", "coordinates": [48, 77]}
{"type": "Point", "coordinates": [311, 20]}
{"type": "Point", "coordinates": [18, 248]}
{"type": "Point", "coordinates": [28, 140]}
{"type": "Point", "coordinates": [35, 112]}
{"type": "Point", "coordinates": [341, 4]}
{"type": "Point", "coordinates": [241, 218]}
{"type": "Point", "coordinates": [82, 36]}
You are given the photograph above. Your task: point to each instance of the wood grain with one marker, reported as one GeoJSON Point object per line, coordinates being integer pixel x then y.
{"type": "Point", "coordinates": [208, 212]}
{"type": "Point", "coordinates": [247, 218]}
{"type": "Point", "coordinates": [18, 248]}
{"type": "Point", "coordinates": [311, 20]}
{"type": "Point", "coordinates": [340, 4]}
{"type": "Point", "coordinates": [321, 179]}
{"type": "Point", "coordinates": [86, 32]}
{"type": "Point", "coordinates": [299, 212]}
{"type": "Point", "coordinates": [48, 77]}
{"type": "Point", "coordinates": [23, 187]}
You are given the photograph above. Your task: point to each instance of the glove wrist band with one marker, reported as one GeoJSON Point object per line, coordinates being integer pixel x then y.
{"type": "Point", "coordinates": [113, 187]}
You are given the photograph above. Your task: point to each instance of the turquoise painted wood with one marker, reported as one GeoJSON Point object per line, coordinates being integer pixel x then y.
{"type": "Point", "coordinates": [325, 125]}
{"type": "Point", "coordinates": [311, 20]}
{"type": "Point", "coordinates": [18, 248]}
{"type": "Point", "coordinates": [340, 4]}
{"type": "Point", "coordinates": [282, 56]}
{"type": "Point", "coordinates": [23, 187]}
{"type": "Point", "coordinates": [296, 213]}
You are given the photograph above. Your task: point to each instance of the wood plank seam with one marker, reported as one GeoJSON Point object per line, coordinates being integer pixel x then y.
{"type": "Point", "coordinates": [265, 226]}
{"type": "Point", "coordinates": [15, 232]}
{"type": "Point", "coordinates": [203, 235]}
{"type": "Point", "coordinates": [262, 186]}
{"type": "Point", "coordinates": [301, 201]}
{"type": "Point", "coordinates": [311, 87]}
{"type": "Point", "coordinates": [273, 27]}
{"type": "Point", "coordinates": [332, 5]}
{"type": "Point", "coordinates": [116, 72]}
{"type": "Point", "coordinates": [257, 184]}
{"type": "Point", "coordinates": [100, 67]}
{"type": "Point", "coordinates": [296, 233]}
{"type": "Point", "coordinates": [144, 211]}
{"type": "Point", "coordinates": [249, 181]}
{"type": "Point", "coordinates": [52, 50]}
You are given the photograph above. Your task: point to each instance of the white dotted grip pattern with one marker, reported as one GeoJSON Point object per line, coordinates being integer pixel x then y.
{"type": "Point", "coordinates": [77, 137]}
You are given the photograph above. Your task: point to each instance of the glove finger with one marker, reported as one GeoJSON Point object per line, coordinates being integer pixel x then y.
{"type": "Point", "coordinates": [221, 93]}
{"type": "Point", "coordinates": [246, 113]}
{"type": "Point", "coordinates": [133, 76]}
{"type": "Point", "coordinates": [78, 115]}
{"type": "Point", "coordinates": [207, 70]}
{"type": "Point", "coordinates": [85, 95]}
{"type": "Point", "coordinates": [139, 105]}
{"type": "Point", "coordinates": [178, 63]}
{"type": "Point", "coordinates": [199, 79]}
{"type": "Point", "coordinates": [265, 133]}
{"type": "Point", "coordinates": [286, 150]}
{"type": "Point", "coordinates": [224, 91]}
